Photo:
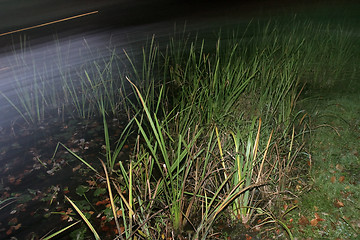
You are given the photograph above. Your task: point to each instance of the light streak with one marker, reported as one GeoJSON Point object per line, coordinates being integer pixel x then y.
{"type": "Point", "coordinates": [49, 23]}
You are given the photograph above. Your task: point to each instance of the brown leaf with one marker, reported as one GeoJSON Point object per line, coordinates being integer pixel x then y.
{"type": "Point", "coordinates": [303, 221]}
{"type": "Point", "coordinates": [9, 231]}
{"type": "Point", "coordinates": [11, 179]}
{"type": "Point", "coordinates": [91, 183]}
{"type": "Point", "coordinates": [16, 227]}
{"type": "Point", "coordinates": [333, 179]}
{"type": "Point", "coordinates": [64, 217]}
{"type": "Point", "coordinates": [76, 168]}
{"type": "Point", "coordinates": [341, 179]}
{"type": "Point", "coordinates": [318, 217]}
{"type": "Point", "coordinates": [314, 222]}
{"type": "Point", "coordinates": [338, 203]}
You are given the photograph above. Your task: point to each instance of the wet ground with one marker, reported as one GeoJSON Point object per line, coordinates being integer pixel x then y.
{"type": "Point", "coordinates": [34, 182]}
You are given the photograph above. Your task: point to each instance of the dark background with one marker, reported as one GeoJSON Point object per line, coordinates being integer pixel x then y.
{"type": "Point", "coordinates": [15, 14]}
{"type": "Point", "coordinates": [116, 14]}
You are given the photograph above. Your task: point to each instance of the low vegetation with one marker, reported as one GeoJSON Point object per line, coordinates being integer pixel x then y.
{"type": "Point", "coordinates": [222, 135]}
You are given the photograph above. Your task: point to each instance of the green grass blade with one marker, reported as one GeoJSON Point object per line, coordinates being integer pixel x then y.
{"type": "Point", "coordinates": [96, 235]}
{"type": "Point", "coordinates": [60, 231]}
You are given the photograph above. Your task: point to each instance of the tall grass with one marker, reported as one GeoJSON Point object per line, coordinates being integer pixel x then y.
{"type": "Point", "coordinates": [218, 131]}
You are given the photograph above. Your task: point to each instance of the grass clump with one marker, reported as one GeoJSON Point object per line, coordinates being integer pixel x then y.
{"type": "Point", "coordinates": [218, 128]}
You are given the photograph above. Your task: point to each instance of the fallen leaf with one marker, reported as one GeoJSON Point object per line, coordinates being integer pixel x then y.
{"type": "Point", "coordinates": [9, 231]}
{"type": "Point", "coordinates": [64, 217]}
{"type": "Point", "coordinates": [303, 221]}
{"type": "Point", "coordinates": [103, 202]}
{"type": "Point", "coordinates": [341, 179]}
{"type": "Point", "coordinates": [91, 183]}
{"type": "Point", "coordinates": [11, 179]}
{"type": "Point", "coordinates": [318, 217]}
{"type": "Point", "coordinates": [338, 203]}
{"type": "Point", "coordinates": [18, 181]}
{"type": "Point", "coordinates": [119, 213]}
{"type": "Point", "coordinates": [333, 179]}
{"type": "Point", "coordinates": [339, 167]}
{"type": "Point", "coordinates": [16, 227]}
{"type": "Point", "coordinates": [314, 222]}
{"type": "Point", "coordinates": [248, 237]}
{"type": "Point", "coordinates": [76, 168]}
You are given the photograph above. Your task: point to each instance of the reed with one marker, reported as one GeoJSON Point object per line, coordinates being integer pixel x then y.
{"type": "Point", "coordinates": [217, 126]}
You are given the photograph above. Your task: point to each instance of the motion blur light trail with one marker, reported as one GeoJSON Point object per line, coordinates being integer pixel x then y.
{"type": "Point", "coordinates": [48, 23]}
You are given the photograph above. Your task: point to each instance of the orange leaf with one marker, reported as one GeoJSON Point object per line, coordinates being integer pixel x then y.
{"type": "Point", "coordinates": [338, 203]}
{"type": "Point", "coordinates": [333, 179]}
{"type": "Point", "coordinates": [248, 237]}
{"type": "Point", "coordinates": [318, 217]}
{"type": "Point", "coordinates": [314, 222]}
{"type": "Point", "coordinates": [11, 179]}
{"type": "Point", "coordinates": [9, 231]}
{"type": "Point", "coordinates": [103, 202]}
{"type": "Point", "coordinates": [91, 183]}
{"type": "Point", "coordinates": [17, 226]}
{"type": "Point", "coordinates": [76, 168]}
{"type": "Point", "coordinates": [341, 179]}
{"type": "Point", "coordinates": [119, 213]}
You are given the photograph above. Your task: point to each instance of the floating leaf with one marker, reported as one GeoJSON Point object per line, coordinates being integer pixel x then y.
{"type": "Point", "coordinates": [76, 168]}
{"type": "Point", "coordinates": [9, 231]}
{"type": "Point", "coordinates": [16, 227]}
{"type": "Point", "coordinates": [99, 191]}
{"type": "Point", "coordinates": [103, 202]}
{"type": "Point", "coordinates": [81, 190]}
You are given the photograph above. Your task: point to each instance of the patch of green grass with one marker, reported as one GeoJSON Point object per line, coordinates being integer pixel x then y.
{"type": "Point", "coordinates": [335, 192]}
